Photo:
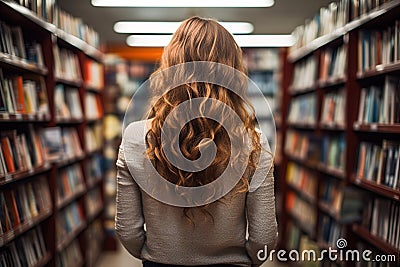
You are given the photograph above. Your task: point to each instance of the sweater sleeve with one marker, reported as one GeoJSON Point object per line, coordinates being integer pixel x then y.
{"type": "Point", "coordinates": [262, 225]}
{"type": "Point", "coordinates": [129, 220]}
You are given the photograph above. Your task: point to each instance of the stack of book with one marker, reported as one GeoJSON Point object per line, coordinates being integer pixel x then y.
{"type": "Point", "coordinates": [329, 19]}
{"type": "Point", "coordinates": [360, 8]}
{"type": "Point", "coordinates": [68, 220]}
{"type": "Point", "coordinates": [303, 212]}
{"type": "Point", "coordinates": [94, 170]}
{"type": "Point", "coordinates": [303, 109]}
{"type": "Point", "coordinates": [19, 151]}
{"type": "Point", "coordinates": [305, 74]}
{"type": "Point", "coordinates": [345, 204]}
{"type": "Point", "coordinates": [23, 96]}
{"type": "Point", "coordinates": [20, 206]}
{"type": "Point", "coordinates": [333, 152]}
{"type": "Point", "coordinates": [380, 104]}
{"type": "Point", "coordinates": [382, 219]}
{"type": "Point", "coordinates": [24, 251]}
{"type": "Point", "coordinates": [333, 109]}
{"type": "Point", "coordinates": [302, 179]}
{"type": "Point", "coordinates": [331, 231]}
{"type": "Point", "coordinates": [70, 182]}
{"type": "Point", "coordinates": [67, 103]}
{"type": "Point", "coordinates": [94, 137]}
{"type": "Point", "coordinates": [12, 43]}
{"type": "Point", "coordinates": [333, 63]}
{"type": "Point", "coordinates": [380, 163]}
{"type": "Point", "coordinates": [94, 77]}
{"type": "Point", "coordinates": [95, 111]}
{"type": "Point", "coordinates": [302, 146]}
{"type": "Point", "coordinates": [66, 64]}
{"type": "Point", "coordinates": [377, 47]}
{"type": "Point", "coordinates": [93, 202]}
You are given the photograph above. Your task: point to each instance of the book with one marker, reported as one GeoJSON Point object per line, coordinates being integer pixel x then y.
{"type": "Point", "coordinates": [70, 182]}
{"type": "Point", "coordinates": [52, 141]}
{"type": "Point", "coordinates": [93, 106]}
{"type": "Point", "coordinates": [305, 74]}
{"type": "Point", "coordinates": [26, 250]}
{"type": "Point", "coordinates": [333, 63]}
{"type": "Point", "coordinates": [333, 109]}
{"type": "Point", "coordinates": [93, 202]}
{"type": "Point", "coordinates": [94, 77]}
{"type": "Point", "coordinates": [379, 163]}
{"type": "Point", "coordinates": [66, 64]}
{"type": "Point", "coordinates": [69, 219]}
{"type": "Point", "coordinates": [333, 152]}
{"type": "Point", "coordinates": [303, 109]}
{"type": "Point", "coordinates": [302, 179]}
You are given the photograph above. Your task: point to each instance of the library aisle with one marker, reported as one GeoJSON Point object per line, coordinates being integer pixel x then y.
{"type": "Point", "coordinates": [329, 70]}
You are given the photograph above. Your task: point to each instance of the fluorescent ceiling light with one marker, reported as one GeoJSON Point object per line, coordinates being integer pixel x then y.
{"type": "Point", "coordinates": [171, 27]}
{"type": "Point", "coordinates": [183, 3]}
{"type": "Point", "coordinates": [242, 40]}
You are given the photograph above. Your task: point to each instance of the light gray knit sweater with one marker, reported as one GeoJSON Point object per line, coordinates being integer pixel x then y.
{"type": "Point", "coordinates": [170, 239]}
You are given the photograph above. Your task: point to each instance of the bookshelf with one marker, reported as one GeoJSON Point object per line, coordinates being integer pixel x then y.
{"type": "Point", "coordinates": [51, 111]}
{"type": "Point", "coordinates": [347, 134]}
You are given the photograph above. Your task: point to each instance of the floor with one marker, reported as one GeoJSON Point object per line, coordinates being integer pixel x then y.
{"type": "Point", "coordinates": [121, 258]}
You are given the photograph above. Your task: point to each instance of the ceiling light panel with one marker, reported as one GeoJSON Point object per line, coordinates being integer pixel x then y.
{"type": "Point", "coordinates": [170, 27]}
{"type": "Point", "coordinates": [183, 3]}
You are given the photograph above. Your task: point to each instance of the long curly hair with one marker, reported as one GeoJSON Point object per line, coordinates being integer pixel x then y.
{"type": "Point", "coordinates": [199, 39]}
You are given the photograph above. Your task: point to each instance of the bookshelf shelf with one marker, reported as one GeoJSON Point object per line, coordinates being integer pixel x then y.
{"type": "Point", "coordinates": [66, 162]}
{"type": "Point", "coordinates": [331, 171]}
{"type": "Point", "coordinates": [6, 118]}
{"type": "Point", "coordinates": [44, 260]}
{"type": "Point", "coordinates": [34, 38]}
{"type": "Point", "coordinates": [309, 198]}
{"type": "Point", "coordinates": [22, 12]}
{"type": "Point", "coordinates": [364, 233]}
{"type": "Point", "coordinates": [66, 121]}
{"type": "Point", "coordinates": [22, 228]}
{"type": "Point", "coordinates": [332, 127]}
{"type": "Point", "coordinates": [375, 127]}
{"type": "Point", "coordinates": [302, 91]}
{"type": "Point", "coordinates": [390, 7]}
{"type": "Point", "coordinates": [343, 52]}
{"type": "Point", "coordinates": [25, 174]}
{"type": "Point", "coordinates": [306, 163]}
{"type": "Point", "coordinates": [301, 126]}
{"type": "Point", "coordinates": [71, 236]}
{"type": "Point", "coordinates": [327, 209]}
{"type": "Point", "coordinates": [79, 44]}
{"type": "Point", "coordinates": [380, 70]}
{"type": "Point", "coordinates": [332, 82]}
{"type": "Point", "coordinates": [377, 188]}
{"type": "Point", "coordinates": [92, 121]}
{"type": "Point", "coordinates": [20, 65]}
{"type": "Point", "coordinates": [74, 83]}
{"type": "Point", "coordinates": [64, 202]}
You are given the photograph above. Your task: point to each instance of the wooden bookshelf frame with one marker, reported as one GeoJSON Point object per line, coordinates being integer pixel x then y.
{"type": "Point", "coordinates": [48, 35]}
{"type": "Point", "coordinates": [353, 132]}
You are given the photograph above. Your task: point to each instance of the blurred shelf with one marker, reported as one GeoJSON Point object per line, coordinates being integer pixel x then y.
{"type": "Point", "coordinates": [379, 70]}
{"type": "Point", "coordinates": [67, 200]}
{"type": "Point", "coordinates": [377, 188]}
{"type": "Point", "coordinates": [22, 228]}
{"type": "Point", "coordinates": [21, 65]}
{"type": "Point", "coordinates": [74, 83]}
{"type": "Point", "coordinates": [377, 127]}
{"type": "Point", "coordinates": [332, 82]}
{"type": "Point", "coordinates": [7, 117]}
{"type": "Point", "coordinates": [377, 242]}
{"type": "Point", "coordinates": [321, 41]}
{"type": "Point", "coordinates": [10, 178]}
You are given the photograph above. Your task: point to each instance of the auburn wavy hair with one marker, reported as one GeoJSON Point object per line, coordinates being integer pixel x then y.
{"type": "Point", "coordinates": [200, 39]}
